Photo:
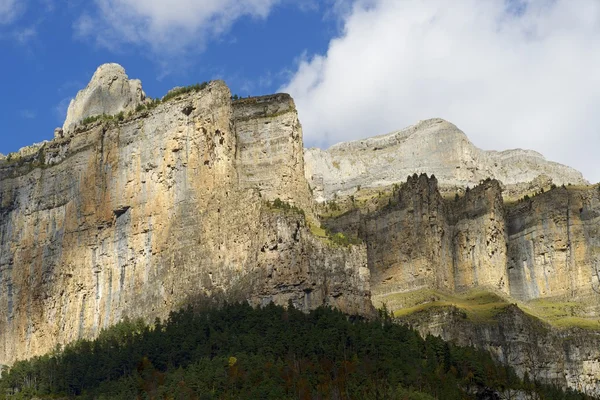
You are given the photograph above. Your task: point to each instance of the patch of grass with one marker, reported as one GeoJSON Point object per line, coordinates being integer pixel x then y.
{"type": "Point", "coordinates": [562, 314]}
{"type": "Point", "coordinates": [317, 230]}
{"type": "Point", "coordinates": [184, 90]}
{"type": "Point", "coordinates": [282, 205]}
{"type": "Point", "coordinates": [482, 306]}
{"type": "Point", "coordinates": [478, 306]}
{"type": "Point", "coordinates": [342, 239]}
{"type": "Point", "coordinates": [337, 239]}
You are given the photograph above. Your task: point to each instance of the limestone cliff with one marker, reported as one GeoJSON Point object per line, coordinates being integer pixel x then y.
{"type": "Point", "coordinates": [270, 148]}
{"type": "Point", "coordinates": [554, 243]}
{"type": "Point", "coordinates": [565, 358]}
{"type": "Point", "coordinates": [433, 147]}
{"type": "Point", "coordinates": [541, 247]}
{"type": "Point", "coordinates": [109, 92]}
{"type": "Point", "coordinates": [541, 251]}
{"type": "Point", "coordinates": [422, 240]}
{"type": "Point", "coordinates": [134, 217]}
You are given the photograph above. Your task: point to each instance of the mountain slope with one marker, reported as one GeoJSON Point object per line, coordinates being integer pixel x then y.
{"type": "Point", "coordinates": [435, 147]}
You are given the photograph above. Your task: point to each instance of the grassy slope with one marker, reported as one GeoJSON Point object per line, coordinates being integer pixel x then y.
{"type": "Point", "coordinates": [481, 306]}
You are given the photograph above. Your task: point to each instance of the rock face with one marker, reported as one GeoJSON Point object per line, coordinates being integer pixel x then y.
{"type": "Point", "coordinates": [433, 147]}
{"type": "Point", "coordinates": [565, 358]}
{"type": "Point", "coordinates": [270, 149]}
{"type": "Point", "coordinates": [109, 92]}
{"type": "Point", "coordinates": [134, 218]}
{"type": "Point", "coordinates": [546, 246]}
{"type": "Point", "coordinates": [554, 243]}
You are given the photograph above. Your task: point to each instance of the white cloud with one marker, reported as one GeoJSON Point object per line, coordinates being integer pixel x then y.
{"type": "Point", "coordinates": [520, 73]}
{"type": "Point", "coordinates": [8, 11]}
{"type": "Point", "coordinates": [165, 26]}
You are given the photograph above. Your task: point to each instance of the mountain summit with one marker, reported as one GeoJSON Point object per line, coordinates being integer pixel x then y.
{"type": "Point", "coordinates": [433, 146]}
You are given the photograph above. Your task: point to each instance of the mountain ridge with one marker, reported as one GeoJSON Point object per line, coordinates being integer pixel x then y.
{"type": "Point", "coordinates": [433, 146]}
{"type": "Point", "coordinates": [132, 214]}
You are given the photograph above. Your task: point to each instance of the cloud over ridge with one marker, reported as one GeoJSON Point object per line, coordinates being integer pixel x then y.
{"type": "Point", "coordinates": [514, 73]}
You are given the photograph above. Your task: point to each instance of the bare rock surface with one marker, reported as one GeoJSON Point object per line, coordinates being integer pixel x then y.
{"type": "Point", "coordinates": [433, 147]}
{"type": "Point", "coordinates": [547, 246]}
{"type": "Point", "coordinates": [135, 217]}
{"type": "Point", "coordinates": [109, 92]}
{"type": "Point", "coordinates": [567, 358]}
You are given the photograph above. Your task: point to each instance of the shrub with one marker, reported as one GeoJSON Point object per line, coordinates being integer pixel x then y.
{"type": "Point", "coordinates": [89, 120]}
{"type": "Point", "coordinates": [188, 89]}
{"type": "Point", "coordinates": [282, 205]}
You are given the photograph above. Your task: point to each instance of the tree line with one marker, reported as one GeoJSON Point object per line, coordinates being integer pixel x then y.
{"type": "Point", "coordinates": [240, 352]}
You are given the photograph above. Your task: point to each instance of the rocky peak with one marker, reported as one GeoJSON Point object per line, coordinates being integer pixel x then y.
{"type": "Point", "coordinates": [110, 92]}
{"type": "Point", "coordinates": [433, 146]}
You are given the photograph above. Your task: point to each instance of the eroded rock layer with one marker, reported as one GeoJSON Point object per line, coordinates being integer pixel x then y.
{"type": "Point", "coordinates": [433, 147]}
{"type": "Point", "coordinates": [544, 246]}
{"type": "Point", "coordinates": [109, 92]}
{"type": "Point", "coordinates": [566, 358]}
{"type": "Point", "coordinates": [134, 218]}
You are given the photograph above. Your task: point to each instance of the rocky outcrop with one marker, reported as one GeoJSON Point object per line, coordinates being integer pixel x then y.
{"type": "Point", "coordinates": [544, 247]}
{"type": "Point", "coordinates": [109, 92]}
{"type": "Point", "coordinates": [134, 217]}
{"type": "Point", "coordinates": [435, 147]}
{"type": "Point", "coordinates": [541, 247]}
{"type": "Point", "coordinates": [420, 240]}
{"type": "Point", "coordinates": [565, 358]}
{"type": "Point", "coordinates": [554, 243]}
{"type": "Point", "coordinates": [270, 150]}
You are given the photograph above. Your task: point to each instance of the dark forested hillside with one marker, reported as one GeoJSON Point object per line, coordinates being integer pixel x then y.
{"type": "Point", "coordinates": [237, 352]}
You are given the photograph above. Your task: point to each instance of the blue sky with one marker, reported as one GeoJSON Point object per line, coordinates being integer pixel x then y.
{"type": "Point", "coordinates": [509, 73]}
{"type": "Point", "coordinates": [46, 62]}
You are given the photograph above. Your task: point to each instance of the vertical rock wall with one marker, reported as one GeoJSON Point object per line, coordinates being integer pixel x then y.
{"type": "Point", "coordinates": [565, 358]}
{"type": "Point", "coordinates": [547, 246]}
{"type": "Point", "coordinates": [270, 154]}
{"type": "Point", "coordinates": [134, 218]}
{"type": "Point", "coordinates": [408, 242]}
{"type": "Point", "coordinates": [479, 238]}
{"type": "Point", "coordinates": [554, 243]}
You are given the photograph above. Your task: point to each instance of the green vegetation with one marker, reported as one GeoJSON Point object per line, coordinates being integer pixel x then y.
{"type": "Point", "coordinates": [238, 352]}
{"type": "Point", "coordinates": [561, 314]}
{"type": "Point", "coordinates": [184, 90]}
{"type": "Point", "coordinates": [339, 239]}
{"type": "Point", "coordinates": [482, 306]}
{"type": "Point", "coordinates": [282, 205]}
{"type": "Point", "coordinates": [342, 239]}
{"type": "Point", "coordinates": [478, 306]}
{"type": "Point", "coordinates": [148, 105]}
{"type": "Point", "coordinates": [92, 119]}
{"type": "Point", "coordinates": [103, 117]}
{"type": "Point", "coordinates": [318, 231]}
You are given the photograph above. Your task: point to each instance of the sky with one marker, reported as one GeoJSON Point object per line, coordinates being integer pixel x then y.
{"type": "Point", "coordinates": [509, 73]}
